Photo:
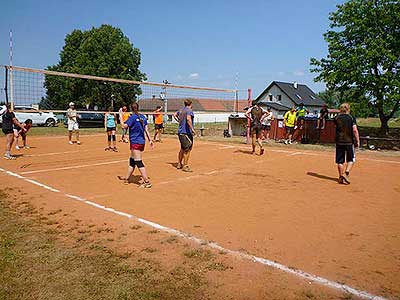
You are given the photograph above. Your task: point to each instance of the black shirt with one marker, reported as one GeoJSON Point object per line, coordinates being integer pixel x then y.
{"type": "Point", "coordinates": [8, 120]}
{"type": "Point", "coordinates": [324, 113]}
{"type": "Point", "coordinates": [344, 129]}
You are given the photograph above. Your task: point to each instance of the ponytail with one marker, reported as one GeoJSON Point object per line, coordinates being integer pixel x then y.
{"type": "Point", "coordinates": [135, 110]}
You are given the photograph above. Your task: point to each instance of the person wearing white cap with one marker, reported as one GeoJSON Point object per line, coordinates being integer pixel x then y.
{"type": "Point", "coordinates": [72, 123]}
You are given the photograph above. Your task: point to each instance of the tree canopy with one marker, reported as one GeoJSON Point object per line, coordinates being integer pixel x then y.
{"type": "Point", "coordinates": [104, 52]}
{"type": "Point", "coordinates": [364, 54]}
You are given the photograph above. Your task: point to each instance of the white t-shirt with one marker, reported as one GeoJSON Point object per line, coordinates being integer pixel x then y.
{"type": "Point", "coordinates": [71, 114]}
{"type": "Point", "coordinates": [267, 118]}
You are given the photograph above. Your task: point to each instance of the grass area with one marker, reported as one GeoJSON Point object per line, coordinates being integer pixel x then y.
{"type": "Point", "coordinates": [35, 264]}
{"type": "Point", "coordinates": [376, 123]}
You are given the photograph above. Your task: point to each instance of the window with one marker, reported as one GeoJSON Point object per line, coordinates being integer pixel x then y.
{"type": "Point", "coordinates": [279, 97]}
{"type": "Point", "coordinates": [270, 97]}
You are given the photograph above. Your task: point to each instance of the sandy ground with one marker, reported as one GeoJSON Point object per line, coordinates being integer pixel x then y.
{"type": "Point", "coordinates": [284, 206]}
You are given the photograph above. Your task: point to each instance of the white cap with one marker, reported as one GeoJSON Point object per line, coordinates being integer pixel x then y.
{"type": "Point", "coordinates": [71, 104]}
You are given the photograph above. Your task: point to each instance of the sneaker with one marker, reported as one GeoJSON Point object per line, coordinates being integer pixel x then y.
{"type": "Point", "coordinates": [78, 142]}
{"type": "Point", "coordinates": [107, 148]}
{"type": "Point", "coordinates": [17, 147]}
{"type": "Point", "coordinates": [290, 142]}
{"type": "Point", "coordinates": [70, 142]}
{"type": "Point", "coordinates": [340, 180]}
{"type": "Point", "coordinates": [114, 149]}
{"type": "Point", "coordinates": [346, 178]}
{"type": "Point", "coordinates": [27, 147]}
{"type": "Point", "coordinates": [9, 157]}
{"type": "Point", "coordinates": [187, 169]}
{"type": "Point", "coordinates": [145, 185]}
{"type": "Point", "coordinates": [261, 151]}
{"type": "Point", "coordinates": [286, 142]}
{"type": "Point", "coordinates": [179, 166]}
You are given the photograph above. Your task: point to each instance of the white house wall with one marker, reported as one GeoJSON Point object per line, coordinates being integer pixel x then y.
{"type": "Point", "coordinates": [274, 90]}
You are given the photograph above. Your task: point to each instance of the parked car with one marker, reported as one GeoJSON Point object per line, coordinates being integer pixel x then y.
{"type": "Point", "coordinates": [37, 117]}
{"type": "Point", "coordinates": [88, 120]}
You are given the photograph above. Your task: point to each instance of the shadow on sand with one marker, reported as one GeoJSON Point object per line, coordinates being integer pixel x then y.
{"type": "Point", "coordinates": [322, 176]}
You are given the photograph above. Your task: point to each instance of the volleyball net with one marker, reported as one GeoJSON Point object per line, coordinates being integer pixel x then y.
{"type": "Point", "coordinates": [47, 90]}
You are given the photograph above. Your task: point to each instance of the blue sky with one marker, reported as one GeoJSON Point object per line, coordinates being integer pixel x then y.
{"type": "Point", "coordinates": [201, 43]}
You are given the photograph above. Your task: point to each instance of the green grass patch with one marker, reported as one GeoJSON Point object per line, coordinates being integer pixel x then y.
{"type": "Point", "coordinates": [34, 264]}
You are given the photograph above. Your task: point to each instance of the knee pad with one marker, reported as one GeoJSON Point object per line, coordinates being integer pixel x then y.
{"type": "Point", "coordinates": [132, 162]}
{"type": "Point", "coordinates": [114, 138]}
{"type": "Point", "coordinates": [139, 164]}
{"type": "Point", "coordinates": [109, 138]}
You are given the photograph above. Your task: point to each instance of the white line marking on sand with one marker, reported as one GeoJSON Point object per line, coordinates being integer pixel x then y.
{"type": "Point", "coordinates": [267, 262]}
{"type": "Point", "coordinates": [74, 167]}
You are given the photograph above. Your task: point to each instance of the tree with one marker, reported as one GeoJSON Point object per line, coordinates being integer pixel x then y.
{"type": "Point", "coordinates": [104, 52]}
{"type": "Point", "coordinates": [364, 54]}
{"type": "Point", "coordinates": [361, 106]}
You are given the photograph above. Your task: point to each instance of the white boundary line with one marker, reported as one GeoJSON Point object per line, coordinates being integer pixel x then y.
{"type": "Point", "coordinates": [264, 261]}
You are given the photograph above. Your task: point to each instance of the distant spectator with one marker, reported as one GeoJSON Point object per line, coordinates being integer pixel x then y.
{"type": "Point", "coordinates": [323, 115]}
{"type": "Point", "coordinates": [266, 120]}
{"type": "Point", "coordinates": [110, 125]}
{"type": "Point", "coordinates": [346, 138]}
{"type": "Point", "coordinates": [289, 120]}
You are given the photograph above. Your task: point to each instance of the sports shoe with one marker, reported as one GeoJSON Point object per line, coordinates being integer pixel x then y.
{"type": "Point", "coordinates": [114, 149]}
{"type": "Point", "coordinates": [187, 169]}
{"type": "Point", "coordinates": [286, 142]}
{"type": "Point", "coordinates": [179, 166]}
{"type": "Point", "coordinates": [346, 178]}
{"type": "Point", "coordinates": [27, 147]}
{"type": "Point", "coordinates": [70, 142]}
{"type": "Point", "coordinates": [78, 142]}
{"type": "Point", "coordinates": [290, 142]}
{"type": "Point", "coordinates": [340, 180]}
{"type": "Point", "coordinates": [9, 157]}
{"type": "Point", "coordinates": [261, 151]}
{"type": "Point", "coordinates": [17, 147]}
{"type": "Point", "coordinates": [145, 185]}
{"type": "Point", "coordinates": [107, 148]}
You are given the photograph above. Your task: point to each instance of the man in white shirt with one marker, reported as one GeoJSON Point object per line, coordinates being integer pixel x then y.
{"type": "Point", "coordinates": [72, 123]}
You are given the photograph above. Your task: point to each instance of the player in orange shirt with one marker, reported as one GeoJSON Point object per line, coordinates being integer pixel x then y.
{"type": "Point", "coordinates": [158, 124]}
{"type": "Point", "coordinates": [124, 115]}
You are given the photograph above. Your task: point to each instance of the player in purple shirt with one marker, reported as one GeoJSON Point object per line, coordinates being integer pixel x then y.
{"type": "Point", "coordinates": [186, 131]}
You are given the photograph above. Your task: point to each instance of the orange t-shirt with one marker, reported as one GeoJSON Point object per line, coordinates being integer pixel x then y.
{"type": "Point", "coordinates": [125, 116]}
{"type": "Point", "coordinates": [158, 119]}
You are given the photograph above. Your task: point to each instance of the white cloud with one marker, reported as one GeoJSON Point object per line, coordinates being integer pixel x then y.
{"type": "Point", "coordinates": [299, 73]}
{"type": "Point", "coordinates": [194, 76]}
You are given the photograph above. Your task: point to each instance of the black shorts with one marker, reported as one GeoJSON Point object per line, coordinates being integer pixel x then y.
{"type": "Point", "coordinates": [7, 131]}
{"type": "Point", "coordinates": [256, 129]}
{"type": "Point", "coordinates": [345, 152]}
{"type": "Point", "coordinates": [109, 129]}
{"type": "Point", "coordinates": [158, 126]}
{"type": "Point", "coordinates": [289, 129]}
{"type": "Point", "coordinates": [266, 127]}
{"type": "Point", "coordinates": [186, 141]}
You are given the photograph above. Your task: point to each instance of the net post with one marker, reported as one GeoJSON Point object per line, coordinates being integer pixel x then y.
{"type": "Point", "coordinates": [6, 83]}
{"type": "Point", "coordinates": [248, 120]}
{"type": "Point", "coordinates": [236, 108]}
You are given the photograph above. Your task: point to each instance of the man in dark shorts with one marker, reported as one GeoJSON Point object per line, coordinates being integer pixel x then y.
{"type": "Point", "coordinates": [158, 124]}
{"type": "Point", "coordinates": [346, 138]}
{"type": "Point", "coordinates": [186, 131]}
{"type": "Point", "coordinates": [255, 114]}
{"type": "Point", "coordinates": [9, 120]}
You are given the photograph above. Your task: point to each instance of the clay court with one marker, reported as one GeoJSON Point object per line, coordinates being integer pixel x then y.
{"type": "Point", "coordinates": [284, 207]}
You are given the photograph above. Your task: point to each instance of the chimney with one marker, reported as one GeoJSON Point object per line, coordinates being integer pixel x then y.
{"type": "Point", "coordinates": [295, 84]}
